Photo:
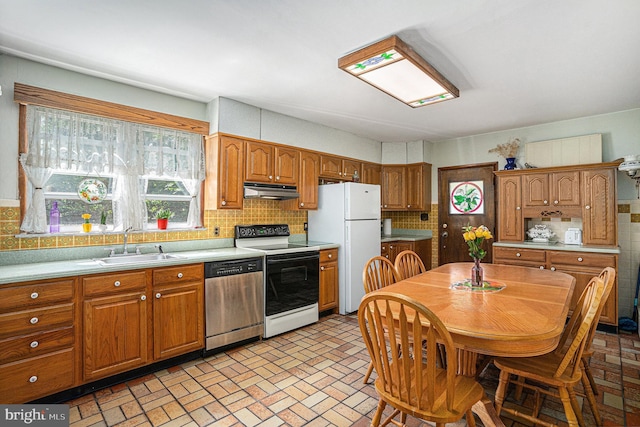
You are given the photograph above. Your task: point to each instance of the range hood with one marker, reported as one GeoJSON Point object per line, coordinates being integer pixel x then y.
{"type": "Point", "coordinates": [254, 190]}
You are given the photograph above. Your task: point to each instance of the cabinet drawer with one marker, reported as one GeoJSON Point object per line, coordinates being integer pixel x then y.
{"type": "Point", "coordinates": [113, 283]}
{"type": "Point", "coordinates": [32, 345]}
{"type": "Point", "coordinates": [35, 377]}
{"type": "Point", "coordinates": [182, 273]}
{"type": "Point", "coordinates": [329, 255]}
{"type": "Point", "coordinates": [586, 259]}
{"type": "Point", "coordinates": [29, 321]}
{"type": "Point", "coordinates": [519, 254]}
{"type": "Point", "coordinates": [36, 294]}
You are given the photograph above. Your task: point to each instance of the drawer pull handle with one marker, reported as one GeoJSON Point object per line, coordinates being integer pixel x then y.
{"type": "Point", "coordinates": [34, 344]}
{"type": "Point", "coordinates": [579, 259]}
{"type": "Point", "coordinates": [34, 295]}
{"type": "Point", "coordinates": [180, 275]}
{"type": "Point", "coordinates": [33, 320]}
{"type": "Point", "coordinates": [330, 256]}
{"type": "Point", "coordinates": [33, 379]}
{"type": "Point", "coordinates": [158, 295]}
{"type": "Point", "coordinates": [116, 283]}
{"type": "Point", "coordinates": [518, 254]}
{"type": "Point", "coordinates": [143, 298]}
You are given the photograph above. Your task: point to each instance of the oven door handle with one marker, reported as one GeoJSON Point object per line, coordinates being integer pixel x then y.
{"type": "Point", "coordinates": [289, 258]}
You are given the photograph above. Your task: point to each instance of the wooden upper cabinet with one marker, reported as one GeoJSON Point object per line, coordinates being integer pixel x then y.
{"type": "Point", "coordinates": [393, 187]}
{"type": "Point", "coordinates": [271, 164]}
{"type": "Point", "coordinates": [331, 167]}
{"type": "Point", "coordinates": [599, 208]}
{"type": "Point", "coordinates": [224, 167]}
{"type": "Point", "coordinates": [535, 189]}
{"type": "Point", "coordinates": [551, 194]}
{"type": "Point", "coordinates": [419, 186]}
{"type": "Point", "coordinates": [307, 183]}
{"type": "Point", "coordinates": [349, 167]}
{"type": "Point", "coordinates": [371, 173]}
{"type": "Point", "coordinates": [510, 226]}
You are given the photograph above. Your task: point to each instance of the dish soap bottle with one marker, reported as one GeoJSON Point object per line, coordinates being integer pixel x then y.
{"type": "Point", "coordinates": [54, 219]}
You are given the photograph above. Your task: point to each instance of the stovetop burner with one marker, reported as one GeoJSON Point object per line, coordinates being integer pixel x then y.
{"type": "Point", "coordinates": [269, 238]}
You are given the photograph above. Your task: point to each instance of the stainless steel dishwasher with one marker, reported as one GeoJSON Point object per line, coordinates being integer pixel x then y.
{"type": "Point", "coordinates": [234, 301]}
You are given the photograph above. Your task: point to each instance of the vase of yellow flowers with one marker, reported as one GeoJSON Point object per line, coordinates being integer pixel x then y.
{"type": "Point", "coordinates": [475, 236]}
{"type": "Point", "coordinates": [86, 225]}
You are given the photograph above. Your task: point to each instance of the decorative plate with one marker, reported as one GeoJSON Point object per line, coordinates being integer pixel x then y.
{"type": "Point", "coordinates": [92, 191]}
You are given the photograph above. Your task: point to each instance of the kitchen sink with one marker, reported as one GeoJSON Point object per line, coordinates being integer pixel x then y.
{"type": "Point", "coordinates": [136, 259]}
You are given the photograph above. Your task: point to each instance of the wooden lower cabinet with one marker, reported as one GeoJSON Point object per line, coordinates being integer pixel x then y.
{"type": "Point", "coordinates": [328, 298]}
{"type": "Point", "coordinates": [38, 354]}
{"type": "Point", "coordinates": [178, 310]}
{"type": "Point", "coordinates": [581, 265]}
{"type": "Point", "coordinates": [391, 249]}
{"type": "Point", "coordinates": [115, 324]}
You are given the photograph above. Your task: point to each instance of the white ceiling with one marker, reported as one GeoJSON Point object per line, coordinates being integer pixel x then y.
{"type": "Point", "coordinates": [516, 62]}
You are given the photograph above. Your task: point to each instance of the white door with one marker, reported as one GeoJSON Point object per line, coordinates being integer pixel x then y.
{"type": "Point", "coordinates": [362, 243]}
{"type": "Point", "coordinates": [362, 201]}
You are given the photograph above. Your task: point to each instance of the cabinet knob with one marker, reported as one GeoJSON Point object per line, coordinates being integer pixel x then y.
{"type": "Point", "coordinates": [385, 206]}
{"type": "Point", "coordinates": [518, 254]}
{"type": "Point", "coordinates": [34, 295]}
{"type": "Point", "coordinates": [270, 176]}
{"type": "Point", "coordinates": [330, 256]}
{"type": "Point", "coordinates": [322, 268]}
{"type": "Point", "coordinates": [340, 173]}
{"type": "Point", "coordinates": [277, 178]}
{"type": "Point", "coordinates": [143, 297]}
{"type": "Point", "coordinates": [223, 203]}
{"type": "Point", "coordinates": [180, 275]}
{"type": "Point", "coordinates": [33, 379]}
{"type": "Point", "coordinates": [587, 207]}
{"type": "Point", "coordinates": [517, 208]}
{"type": "Point", "coordinates": [579, 259]}
{"type": "Point", "coordinates": [542, 267]}
{"type": "Point", "coordinates": [301, 204]}
{"type": "Point", "coordinates": [390, 246]}
{"type": "Point", "coordinates": [158, 295]}
{"type": "Point", "coordinates": [546, 202]}
{"type": "Point", "coordinates": [408, 206]}
{"type": "Point", "coordinates": [116, 283]}
{"type": "Point", "coordinates": [34, 344]}
{"type": "Point", "coordinates": [553, 269]}
{"type": "Point", "coordinates": [33, 320]}
{"type": "Point", "coordinates": [555, 202]}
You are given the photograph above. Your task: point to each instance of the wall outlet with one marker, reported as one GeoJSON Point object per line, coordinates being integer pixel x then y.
{"type": "Point", "coordinates": [216, 231]}
{"type": "Point", "coordinates": [306, 226]}
{"type": "Point", "coordinates": [424, 217]}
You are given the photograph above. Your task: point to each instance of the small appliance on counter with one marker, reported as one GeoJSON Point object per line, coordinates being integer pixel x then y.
{"type": "Point", "coordinates": [386, 227]}
{"type": "Point", "coordinates": [573, 236]}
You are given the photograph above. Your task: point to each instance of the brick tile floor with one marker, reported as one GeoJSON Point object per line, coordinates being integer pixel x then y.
{"type": "Point", "coordinates": [313, 377]}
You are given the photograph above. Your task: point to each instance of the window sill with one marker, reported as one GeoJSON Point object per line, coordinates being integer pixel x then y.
{"type": "Point", "coordinates": [98, 232]}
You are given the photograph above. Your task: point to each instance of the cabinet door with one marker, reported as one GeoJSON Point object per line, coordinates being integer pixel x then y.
{"type": "Point", "coordinates": [330, 167]}
{"type": "Point", "coordinates": [259, 162]}
{"type": "Point", "coordinates": [115, 334]}
{"type": "Point", "coordinates": [393, 187]}
{"type": "Point", "coordinates": [371, 173]}
{"type": "Point", "coordinates": [287, 163]}
{"type": "Point", "coordinates": [535, 189]}
{"type": "Point", "coordinates": [349, 167]}
{"type": "Point", "coordinates": [599, 208]}
{"type": "Point", "coordinates": [509, 209]}
{"type": "Point", "coordinates": [178, 322]}
{"type": "Point", "coordinates": [308, 181]}
{"type": "Point", "coordinates": [398, 246]}
{"type": "Point", "coordinates": [328, 298]}
{"type": "Point", "coordinates": [565, 188]}
{"type": "Point", "coordinates": [230, 174]}
{"type": "Point", "coordinates": [418, 188]}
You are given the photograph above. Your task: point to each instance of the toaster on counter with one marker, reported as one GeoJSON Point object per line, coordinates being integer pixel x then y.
{"type": "Point", "coordinates": [573, 236]}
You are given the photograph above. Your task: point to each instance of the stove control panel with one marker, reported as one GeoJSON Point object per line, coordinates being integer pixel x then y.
{"type": "Point", "coordinates": [268, 230]}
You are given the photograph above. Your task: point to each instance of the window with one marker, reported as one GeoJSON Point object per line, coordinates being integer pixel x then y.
{"type": "Point", "coordinates": [145, 167]}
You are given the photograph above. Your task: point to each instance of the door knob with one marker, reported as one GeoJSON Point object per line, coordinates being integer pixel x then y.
{"type": "Point", "coordinates": [445, 234]}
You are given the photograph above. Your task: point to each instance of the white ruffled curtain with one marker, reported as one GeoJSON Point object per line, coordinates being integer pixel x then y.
{"type": "Point", "coordinates": [130, 152]}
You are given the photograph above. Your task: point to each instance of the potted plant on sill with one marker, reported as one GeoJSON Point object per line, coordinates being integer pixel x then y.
{"type": "Point", "coordinates": [163, 216]}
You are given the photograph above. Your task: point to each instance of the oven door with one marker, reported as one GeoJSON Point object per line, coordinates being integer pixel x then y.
{"type": "Point", "coordinates": [291, 281]}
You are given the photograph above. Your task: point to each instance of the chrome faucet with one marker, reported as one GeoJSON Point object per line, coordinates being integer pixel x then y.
{"type": "Point", "coordinates": [126, 235]}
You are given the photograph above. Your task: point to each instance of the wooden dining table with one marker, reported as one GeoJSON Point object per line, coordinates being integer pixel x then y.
{"type": "Point", "coordinates": [525, 318]}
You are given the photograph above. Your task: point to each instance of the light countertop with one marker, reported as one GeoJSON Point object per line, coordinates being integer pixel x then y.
{"type": "Point", "coordinates": [558, 247]}
{"type": "Point", "coordinates": [406, 235]}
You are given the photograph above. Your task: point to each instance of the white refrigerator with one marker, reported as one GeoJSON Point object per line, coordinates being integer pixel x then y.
{"type": "Point", "coordinates": [348, 214]}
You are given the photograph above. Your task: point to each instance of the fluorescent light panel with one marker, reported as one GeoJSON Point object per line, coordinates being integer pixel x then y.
{"type": "Point", "coordinates": [394, 68]}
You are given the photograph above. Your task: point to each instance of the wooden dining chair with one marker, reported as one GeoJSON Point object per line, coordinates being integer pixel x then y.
{"type": "Point", "coordinates": [378, 272]}
{"type": "Point", "coordinates": [408, 264]}
{"type": "Point", "coordinates": [408, 376]}
{"type": "Point", "coordinates": [555, 373]}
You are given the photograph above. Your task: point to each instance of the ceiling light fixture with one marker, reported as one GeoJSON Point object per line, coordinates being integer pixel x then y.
{"type": "Point", "coordinates": [396, 69]}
